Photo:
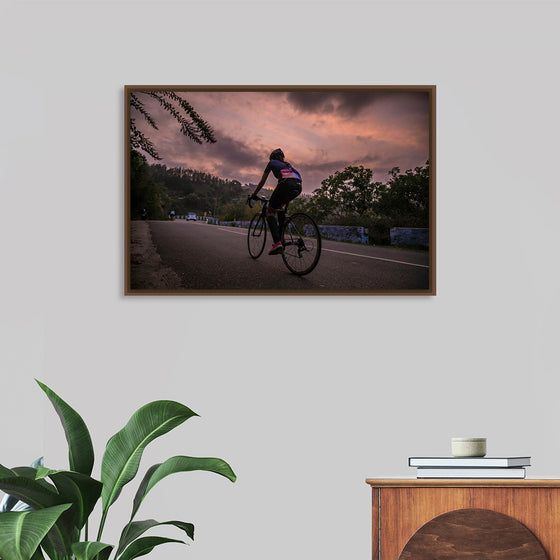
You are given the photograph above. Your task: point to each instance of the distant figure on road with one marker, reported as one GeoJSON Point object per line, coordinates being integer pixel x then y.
{"type": "Point", "coordinates": [144, 214]}
{"type": "Point", "coordinates": [172, 215]}
{"type": "Point", "coordinates": [288, 188]}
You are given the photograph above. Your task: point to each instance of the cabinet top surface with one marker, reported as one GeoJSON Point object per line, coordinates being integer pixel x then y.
{"type": "Point", "coordinates": [462, 482]}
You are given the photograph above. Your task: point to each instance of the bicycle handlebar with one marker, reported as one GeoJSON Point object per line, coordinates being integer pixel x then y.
{"type": "Point", "coordinates": [252, 197]}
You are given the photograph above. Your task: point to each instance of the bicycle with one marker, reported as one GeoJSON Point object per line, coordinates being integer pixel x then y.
{"type": "Point", "coordinates": [301, 240]}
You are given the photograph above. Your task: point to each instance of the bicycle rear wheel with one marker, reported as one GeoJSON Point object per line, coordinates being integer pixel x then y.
{"type": "Point", "coordinates": [256, 236]}
{"type": "Point", "coordinates": [302, 244]}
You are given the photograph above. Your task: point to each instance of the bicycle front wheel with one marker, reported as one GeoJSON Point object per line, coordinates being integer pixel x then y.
{"type": "Point", "coordinates": [256, 236]}
{"type": "Point", "coordinates": [302, 244]}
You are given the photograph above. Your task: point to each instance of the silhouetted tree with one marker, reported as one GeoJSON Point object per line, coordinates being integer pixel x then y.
{"type": "Point", "coordinates": [346, 193]}
{"type": "Point", "coordinates": [405, 198]}
{"type": "Point", "coordinates": [145, 193]}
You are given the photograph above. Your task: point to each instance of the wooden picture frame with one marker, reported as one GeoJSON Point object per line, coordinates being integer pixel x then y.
{"type": "Point", "coordinates": [367, 158]}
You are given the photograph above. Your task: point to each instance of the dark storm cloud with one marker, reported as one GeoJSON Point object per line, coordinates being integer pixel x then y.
{"type": "Point", "coordinates": [350, 103]}
{"type": "Point", "coordinates": [233, 153]}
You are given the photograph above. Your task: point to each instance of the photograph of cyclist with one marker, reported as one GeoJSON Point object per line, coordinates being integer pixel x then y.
{"type": "Point", "coordinates": [289, 187]}
{"type": "Point", "coordinates": [336, 182]}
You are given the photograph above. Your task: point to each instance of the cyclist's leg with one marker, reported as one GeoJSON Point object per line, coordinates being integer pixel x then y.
{"type": "Point", "coordinates": [273, 224]}
{"type": "Point", "coordinates": [275, 204]}
{"type": "Point", "coordinates": [287, 190]}
{"type": "Point", "coordinates": [291, 190]}
{"type": "Point", "coordinates": [282, 218]}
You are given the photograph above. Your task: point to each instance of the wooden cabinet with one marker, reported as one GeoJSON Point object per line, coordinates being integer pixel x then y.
{"type": "Point", "coordinates": [492, 518]}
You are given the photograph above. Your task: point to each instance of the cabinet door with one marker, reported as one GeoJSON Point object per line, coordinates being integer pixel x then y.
{"type": "Point", "coordinates": [403, 511]}
{"type": "Point", "coordinates": [464, 534]}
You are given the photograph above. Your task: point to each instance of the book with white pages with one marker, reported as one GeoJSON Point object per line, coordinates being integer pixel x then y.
{"type": "Point", "coordinates": [504, 462]}
{"type": "Point", "coordinates": [476, 472]}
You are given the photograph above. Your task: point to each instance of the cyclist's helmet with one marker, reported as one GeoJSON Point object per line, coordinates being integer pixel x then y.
{"type": "Point", "coordinates": [277, 154]}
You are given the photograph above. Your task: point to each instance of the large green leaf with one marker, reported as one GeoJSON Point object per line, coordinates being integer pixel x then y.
{"type": "Point", "coordinates": [79, 489]}
{"type": "Point", "coordinates": [8, 502]}
{"type": "Point", "coordinates": [89, 550]}
{"type": "Point", "coordinates": [124, 450]}
{"type": "Point", "coordinates": [39, 497]}
{"type": "Point", "coordinates": [38, 555]}
{"type": "Point", "coordinates": [58, 542]}
{"type": "Point", "coordinates": [50, 550]}
{"type": "Point", "coordinates": [133, 530]}
{"type": "Point", "coordinates": [29, 491]}
{"type": "Point", "coordinates": [80, 448]}
{"type": "Point", "coordinates": [143, 546]}
{"type": "Point", "coordinates": [22, 532]}
{"type": "Point", "coordinates": [6, 472]}
{"type": "Point", "coordinates": [31, 473]}
{"type": "Point", "coordinates": [11, 503]}
{"type": "Point", "coordinates": [175, 465]}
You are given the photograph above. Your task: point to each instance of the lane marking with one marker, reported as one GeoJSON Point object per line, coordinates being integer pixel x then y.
{"type": "Point", "coordinates": [231, 231]}
{"type": "Point", "coordinates": [344, 252]}
{"type": "Point", "coordinates": [376, 258]}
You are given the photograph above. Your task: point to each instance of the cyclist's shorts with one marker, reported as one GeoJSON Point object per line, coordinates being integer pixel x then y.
{"type": "Point", "coordinates": [286, 190]}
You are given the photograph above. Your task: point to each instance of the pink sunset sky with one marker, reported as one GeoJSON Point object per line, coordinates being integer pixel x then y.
{"type": "Point", "coordinates": [320, 132]}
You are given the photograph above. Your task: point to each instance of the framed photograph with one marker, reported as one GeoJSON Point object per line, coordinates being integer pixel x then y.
{"type": "Point", "coordinates": [284, 190]}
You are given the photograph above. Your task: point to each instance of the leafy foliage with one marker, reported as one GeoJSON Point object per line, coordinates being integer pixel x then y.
{"type": "Point", "coordinates": [22, 532]}
{"type": "Point", "coordinates": [158, 472]}
{"type": "Point", "coordinates": [11, 503]}
{"type": "Point", "coordinates": [159, 189]}
{"type": "Point", "coordinates": [346, 193]}
{"type": "Point", "coordinates": [89, 550]}
{"type": "Point", "coordinates": [351, 197]}
{"type": "Point", "coordinates": [134, 529]}
{"type": "Point", "coordinates": [145, 545]}
{"type": "Point", "coordinates": [145, 193]}
{"type": "Point", "coordinates": [196, 191]}
{"type": "Point", "coordinates": [405, 198]}
{"type": "Point", "coordinates": [80, 448]}
{"type": "Point", "coordinates": [61, 506]}
{"type": "Point", "coordinates": [191, 124]}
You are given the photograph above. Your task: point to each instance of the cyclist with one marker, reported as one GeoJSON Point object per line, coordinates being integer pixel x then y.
{"type": "Point", "coordinates": [288, 188]}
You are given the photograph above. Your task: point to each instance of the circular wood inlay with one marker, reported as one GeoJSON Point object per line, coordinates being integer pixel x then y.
{"type": "Point", "coordinates": [469, 534]}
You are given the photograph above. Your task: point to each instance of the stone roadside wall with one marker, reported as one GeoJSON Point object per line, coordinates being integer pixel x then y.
{"type": "Point", "coordinates": [410, 236]}
{"type": "Point", "coordinates": [357, 234]}
{"type": "Point", "coordinates": [350, 234]}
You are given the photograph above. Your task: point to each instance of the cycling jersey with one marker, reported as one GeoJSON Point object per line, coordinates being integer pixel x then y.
{"type": "Point", "coordinates": [282, 170]}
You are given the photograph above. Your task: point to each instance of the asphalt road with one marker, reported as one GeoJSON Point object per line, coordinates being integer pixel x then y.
{"type": "Point", "coordinates": [209, 257]}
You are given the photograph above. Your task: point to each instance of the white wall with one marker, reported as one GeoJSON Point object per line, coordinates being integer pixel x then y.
{"type": "Point", "coordinates": [373, 379]}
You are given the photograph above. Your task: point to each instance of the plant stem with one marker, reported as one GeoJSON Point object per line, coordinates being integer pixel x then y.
{"type": "Point", "coordinates": [101, 525]}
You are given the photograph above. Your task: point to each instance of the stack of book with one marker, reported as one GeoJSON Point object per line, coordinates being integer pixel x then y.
{"type": "Point", "coordinates": [470, 467]}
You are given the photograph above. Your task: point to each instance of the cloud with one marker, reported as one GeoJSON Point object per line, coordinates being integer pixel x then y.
{"type": "Point", "coordinates": [321, 132]}
{"type": "Point", "coordinates": [345, 103]}
{"type": "Point", "coordinates": [351, 103]}
{"type": "Point", "coordinates": [228, 157]}
{"type": "Point", "coordinates": [234, 152]}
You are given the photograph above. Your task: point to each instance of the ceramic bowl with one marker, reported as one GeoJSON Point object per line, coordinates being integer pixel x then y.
{"type": "Point", "coordinates": [468, 447]}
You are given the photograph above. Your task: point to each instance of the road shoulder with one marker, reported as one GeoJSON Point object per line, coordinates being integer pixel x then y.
{"type": "Point", "coordinates": [147, 271]}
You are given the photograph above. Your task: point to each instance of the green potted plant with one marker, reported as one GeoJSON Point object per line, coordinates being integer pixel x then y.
{"type": "Point", "coordinates": [61, 501]}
